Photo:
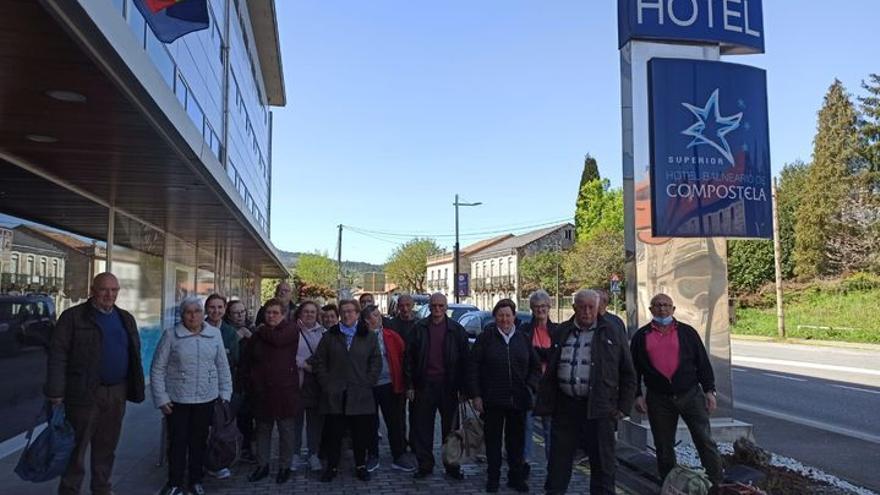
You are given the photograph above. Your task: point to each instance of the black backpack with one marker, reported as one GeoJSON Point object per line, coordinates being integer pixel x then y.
{"type": "Point", "coordinates": [224, 444]}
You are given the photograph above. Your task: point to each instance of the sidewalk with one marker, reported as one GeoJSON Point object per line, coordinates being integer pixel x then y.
{"type": "Point", "coordinates": [136, 473]}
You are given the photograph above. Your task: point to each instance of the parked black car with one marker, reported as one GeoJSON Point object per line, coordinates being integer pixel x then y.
{"type": "Point", "coordinates": [475, 321]}
{"type": "Point", "coordinates": [25, 321]}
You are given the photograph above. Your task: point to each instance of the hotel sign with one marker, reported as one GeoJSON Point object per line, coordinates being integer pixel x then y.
{"type": "Point", "coordinates": [736, 25]}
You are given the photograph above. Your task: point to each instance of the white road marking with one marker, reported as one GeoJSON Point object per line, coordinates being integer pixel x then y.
{"type": "Point", "coordinates": [859, 389]}
{"type": "Point", "coordinates": [16, 443]}
{"type": "Point", "coordinates": [804, 364]}
{"type": "Point", "coordinates": [741, 370]}
{"type": "Point", "coordinates": [847, 432]}
{"type": "Point", "coordinates": [774, 375]}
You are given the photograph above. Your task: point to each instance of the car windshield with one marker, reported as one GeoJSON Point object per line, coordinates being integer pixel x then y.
{"type": "Point", "coordinates": [9, 310]}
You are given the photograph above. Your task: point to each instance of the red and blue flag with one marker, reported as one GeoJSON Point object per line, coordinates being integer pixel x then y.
{"type": "Point", "coordinates": [171, 19]}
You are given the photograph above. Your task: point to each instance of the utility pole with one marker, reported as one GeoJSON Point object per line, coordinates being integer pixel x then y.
{"type": "Point", "coordinates": [456, 204]}
{"type": "Point", "coordinates": [777, 261]}
{"type": "Point", "coordinates": [339, 264]}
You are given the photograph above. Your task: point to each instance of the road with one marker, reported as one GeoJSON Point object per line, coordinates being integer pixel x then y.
{"type": "Point", "coordinates": [816, 404]}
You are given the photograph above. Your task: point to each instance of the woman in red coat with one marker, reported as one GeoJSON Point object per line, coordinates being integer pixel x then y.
{"type": "Point", "coordinates": [273, 385]}
{"type": "Point", "coordinates": [389, 393]}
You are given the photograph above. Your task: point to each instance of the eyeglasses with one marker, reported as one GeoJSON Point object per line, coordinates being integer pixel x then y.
{"type": "Point", "coordinates": [438, 305]}
{"type": "Point", "coordinates": [541, 306]}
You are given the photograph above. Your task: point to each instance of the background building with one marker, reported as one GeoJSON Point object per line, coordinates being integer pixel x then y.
{"type": "Point", "coordinates": [150, 160]}
{"type": "Point", "coordinates": [494, 271]}
{"type": "Point", "coordinates": [441, 268]}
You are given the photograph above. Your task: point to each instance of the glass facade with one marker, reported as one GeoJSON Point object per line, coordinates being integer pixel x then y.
{"type": "Point", "coordinates": [193, 67]}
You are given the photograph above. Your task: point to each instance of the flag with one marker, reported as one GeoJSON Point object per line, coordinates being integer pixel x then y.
{"type": "Point", "coordinates": [171, 19]}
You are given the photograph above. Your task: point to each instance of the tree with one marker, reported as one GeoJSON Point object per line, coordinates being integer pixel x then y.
{"type": "Point", "coordinates": [835, 156]}
{"type": "Point", "coordinates": [792, 181]}
{"type": "Point", "coordinates": [854, 246]}
{"type": "Point", "coordinates": [591, 170]}
{"type": "Point", "coordinates": [538, 271]}
{"type": "Point", "coordinates": [316, 269]}
{"type": "Point", "coordinates": [591, 262]}
{"type": "Point", "coordinates": [599, 208]}
{"type": "Point", "coordinates": [869, 124]}
{"type": "Point", "coordinates": [406, 266]}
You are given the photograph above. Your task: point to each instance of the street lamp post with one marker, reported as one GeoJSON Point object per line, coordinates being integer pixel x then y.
{"type": "Point", "coordinates": [456, 204]}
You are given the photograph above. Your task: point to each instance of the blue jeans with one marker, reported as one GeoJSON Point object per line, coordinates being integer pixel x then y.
{"type": "Point", "coordinates": [544, 424]}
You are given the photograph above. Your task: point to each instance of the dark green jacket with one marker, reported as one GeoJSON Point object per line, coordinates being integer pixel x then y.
{"type": "Point", "coordinates": [347, 376]}
{"type": "Point", "coordinates": [74, 361]}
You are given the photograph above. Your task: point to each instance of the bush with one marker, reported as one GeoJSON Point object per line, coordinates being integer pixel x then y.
{"type": "Point", "coordinates": [861, 281]}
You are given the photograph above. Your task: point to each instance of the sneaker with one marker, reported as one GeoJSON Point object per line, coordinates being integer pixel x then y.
{"type": "Point", "coordinates": [197, 489]}
{"type": "Point", "coordinates": [173, 490]}
{"type": "Point", "coordinates": [314, 463]}
{"type": "Point", "coordinates": [221, 474]}
{"type": "Point", "coordinates": [362, 473]}
{"type": "Point", "coordinates": [372, 463]}
{"type": "Point", "coordinates": [296, 462]}
{"type": "Point", "coordinates": [404, 463]}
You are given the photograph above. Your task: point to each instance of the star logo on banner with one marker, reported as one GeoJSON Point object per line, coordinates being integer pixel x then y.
{"type": "Point", "coordinates": [709, 116]}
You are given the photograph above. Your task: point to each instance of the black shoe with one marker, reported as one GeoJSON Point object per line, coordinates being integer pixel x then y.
{"type": "Point", "coordinates": [492, 486]}
{"type": "Point", "coordinates": [283, 475]}
{"type": "Point", "coordinates": [455, 474]}
{"type": "Point", "coordinates": [328, 475]}
{"type": "Point", "coordinates": [518, 486]}
{"type": "Point", "coordinates": [197, 489]}
{"type": "Point", "coordinates": [260, 473]}
{"type": "Point", "coordinates": [422, 474]}
{"type": "Point", "coordinates": [362, 473]}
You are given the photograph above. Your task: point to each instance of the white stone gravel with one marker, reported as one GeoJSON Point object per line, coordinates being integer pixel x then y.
{"type": "Point", "coordinates": [688, 456]}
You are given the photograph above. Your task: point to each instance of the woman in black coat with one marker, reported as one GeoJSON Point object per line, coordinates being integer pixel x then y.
{"type": "Point", "coordinates": [504, 375]}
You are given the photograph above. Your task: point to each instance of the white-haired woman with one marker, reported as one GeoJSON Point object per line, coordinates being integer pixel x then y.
{"type": "Point", "coordinates": [189, 372]}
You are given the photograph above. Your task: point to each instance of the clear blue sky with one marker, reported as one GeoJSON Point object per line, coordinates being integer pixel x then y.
{"type": "Point", "coordinates": [396, 106]}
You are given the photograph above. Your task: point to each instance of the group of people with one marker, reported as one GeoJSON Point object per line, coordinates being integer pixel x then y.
{"type": "Point", "coordinates": [322, 374]}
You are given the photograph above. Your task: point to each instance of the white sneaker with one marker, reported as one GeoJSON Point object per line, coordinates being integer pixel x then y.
{"type": "Point", "coordinates": [315, 463]}
{"type": "Point", "coordinates": [296, 462]}
{"type": "Point", "coordinates": [221, 474]}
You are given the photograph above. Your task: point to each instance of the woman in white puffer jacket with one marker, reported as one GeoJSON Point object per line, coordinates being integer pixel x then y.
{"type": "Point", "coordinates": [189, 372]}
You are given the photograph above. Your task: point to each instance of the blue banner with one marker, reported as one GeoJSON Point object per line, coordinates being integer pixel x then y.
{"type": "Point", "coordinates": [462, 285]}
{"type": "Point", "coordinates": [736, 25]}
{"type": "Point", "coordinates": [710, 150]}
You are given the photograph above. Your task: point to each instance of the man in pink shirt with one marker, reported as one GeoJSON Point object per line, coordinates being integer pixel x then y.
{"type": "Point", "coordinates": [672, 360]}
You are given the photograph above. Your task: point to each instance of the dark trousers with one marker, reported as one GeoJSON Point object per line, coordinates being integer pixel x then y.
{"type": "Point", "coordinates": [663, 414]}
{"type": "Point", "coordinates": [430, 399]}
{"type": "Point", "coordinates": [361, 429]}
{"type": "Point", "coordinates": [571, 429]}
{"type": "Point", "coordinates": [188, 426]}
{"type": "Point", "coordinates": [510, 424]}
{"type": "Point", "coordinates": [391, 405]}
{"type": "Point", "coordinates": [245, 421]}
{"type": "Point", "coordinates": [98, 425]}
{"type": "Point", "coordinates": [286, 427]}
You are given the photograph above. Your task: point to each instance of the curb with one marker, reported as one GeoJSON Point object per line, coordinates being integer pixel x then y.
{"type": "Point", "coordinates": [825, 343]}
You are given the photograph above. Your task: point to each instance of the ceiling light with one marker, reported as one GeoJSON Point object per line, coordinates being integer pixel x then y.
{"type": "Point", "coordinates": [39, 138]}
{"type": "Point", "coordinates": [68, 96]}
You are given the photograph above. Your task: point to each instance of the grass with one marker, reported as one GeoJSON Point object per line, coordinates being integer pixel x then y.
{"type": "Point", "coordinates": [850, 316]}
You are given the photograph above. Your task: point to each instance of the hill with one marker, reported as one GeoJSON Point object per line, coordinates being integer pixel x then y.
{"type": "Point", "coordinates": [290, 259]}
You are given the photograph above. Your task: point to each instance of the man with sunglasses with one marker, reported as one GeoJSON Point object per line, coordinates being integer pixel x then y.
{"type": "Point", "coordinates": [671, 358]}
{"type": "Point", "coordinates": [435, 367]}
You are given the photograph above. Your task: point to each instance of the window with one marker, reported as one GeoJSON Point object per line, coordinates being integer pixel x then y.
{"type": "Point", "coordinates": [43, 267]}
{"type": "Point", "coordinates": [29, 268]}
{"type": "Point", "coordinates": [14, 260]}
{"type": "Point", "coordinates": [567, 234]}
{"type": "Point", "coordinates": [55, 268]}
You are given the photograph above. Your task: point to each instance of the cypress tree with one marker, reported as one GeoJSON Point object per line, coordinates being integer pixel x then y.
{"type": "Point", "coordinates": [869, 125]}
{"type": "Point", "coordinates": [835, 156]}
{"type": "Point", "coordinates": [586, 195]}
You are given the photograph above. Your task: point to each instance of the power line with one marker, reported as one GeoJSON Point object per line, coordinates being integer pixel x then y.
{"type": "Point", "coordinates": [496, 230]}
